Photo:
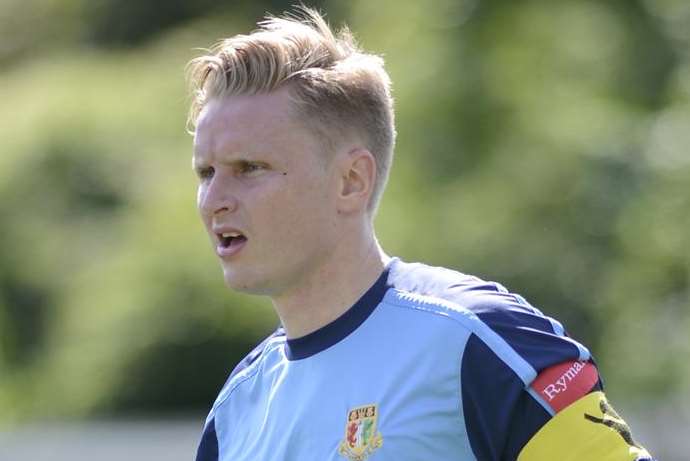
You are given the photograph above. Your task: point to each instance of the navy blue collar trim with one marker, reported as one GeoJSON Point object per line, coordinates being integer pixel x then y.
{"type": "Point", "coordinates": [340, 328]}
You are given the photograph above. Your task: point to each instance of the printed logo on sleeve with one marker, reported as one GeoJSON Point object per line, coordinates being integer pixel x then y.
{"type": "Point", "coordinates": [563, 384]}
{"type": "Point", "coordinates": [610, 418]}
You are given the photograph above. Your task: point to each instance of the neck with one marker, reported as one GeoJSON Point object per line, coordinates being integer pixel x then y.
{"type": "Point", "coordinates": [332, 288]}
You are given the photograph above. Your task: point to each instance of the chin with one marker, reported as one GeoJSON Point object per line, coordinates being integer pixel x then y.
{"type": "Point", "coordinates": [244, 283]}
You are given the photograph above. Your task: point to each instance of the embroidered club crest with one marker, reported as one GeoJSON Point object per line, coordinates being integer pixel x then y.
{"type": "Point", "coordinates": [361, 437]}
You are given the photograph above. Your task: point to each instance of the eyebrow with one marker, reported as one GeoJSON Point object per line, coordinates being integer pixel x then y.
{"type": "Point", "coordinates": [233, 159]}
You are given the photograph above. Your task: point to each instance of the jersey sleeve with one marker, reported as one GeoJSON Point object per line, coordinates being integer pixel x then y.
{"type": "Point", "coordinates": [208, 445]}
{"type": "Point", "coordinates": [530, 392]}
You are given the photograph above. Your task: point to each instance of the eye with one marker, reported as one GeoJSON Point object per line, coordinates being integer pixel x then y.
{"type": "Point", "coordinates": [205, 173]}
{"type": "Point", "coordinates": [250, 168]}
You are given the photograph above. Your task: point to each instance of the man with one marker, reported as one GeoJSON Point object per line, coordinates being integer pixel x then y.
{"type": "Point", "coordinates": [376, 358]}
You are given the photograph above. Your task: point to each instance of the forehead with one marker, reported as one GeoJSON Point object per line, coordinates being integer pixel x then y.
{"type": "Point", "coordinates": [248, 123]}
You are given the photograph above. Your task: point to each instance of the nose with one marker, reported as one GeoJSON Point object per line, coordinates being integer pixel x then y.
{"type": "Point", "coordinates": [215, 198]}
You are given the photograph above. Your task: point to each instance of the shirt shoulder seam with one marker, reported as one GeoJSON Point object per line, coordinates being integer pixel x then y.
{"type": "Point", "coordinates": [247, 373]}
{"type": "Point", "coordinates": [470, 322]}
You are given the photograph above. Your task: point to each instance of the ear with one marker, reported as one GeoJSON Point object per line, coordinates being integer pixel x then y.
{"type": "Point", "coordinates": [357, 176]}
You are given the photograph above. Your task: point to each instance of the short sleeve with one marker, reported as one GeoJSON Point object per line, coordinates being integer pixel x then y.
{"type": "Point", "coordinates": [502, 411]}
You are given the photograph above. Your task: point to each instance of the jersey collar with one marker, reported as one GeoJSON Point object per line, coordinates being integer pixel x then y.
{"type": "Point", "coordinates": [334, 332]}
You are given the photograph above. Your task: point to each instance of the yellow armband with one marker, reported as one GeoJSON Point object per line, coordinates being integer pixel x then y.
{"type": "Point", "coordinates": [587, 429]}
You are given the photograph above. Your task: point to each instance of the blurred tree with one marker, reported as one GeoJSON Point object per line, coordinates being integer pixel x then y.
{"type": "Point", "coordinates": [541, 144]}
{"type": "Point", "coordinates": [127, 23]}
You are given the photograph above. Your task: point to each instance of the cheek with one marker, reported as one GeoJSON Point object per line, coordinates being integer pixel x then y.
{"type": "Point", "coordinates": [297, 205]}
{"type": "Point", "coordinates": [310, 210]}
{"type": "Point", "coordinates": [277, 211]}
{"type": "Point", "coordinates": [200, 198]}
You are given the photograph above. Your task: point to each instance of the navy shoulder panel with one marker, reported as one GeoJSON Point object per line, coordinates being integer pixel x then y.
{"type": "Point", "coordinates": [501, 413]}
{"type": "Point", "coordinates": [538, 339]}
{"type": "Point", "coordinates": [500, 416]}
{"type": "Point", "coordinates": [528, 332]}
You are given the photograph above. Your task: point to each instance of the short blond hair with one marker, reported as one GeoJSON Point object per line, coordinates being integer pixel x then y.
{"type": "Point", "coordinates": [339, 89]}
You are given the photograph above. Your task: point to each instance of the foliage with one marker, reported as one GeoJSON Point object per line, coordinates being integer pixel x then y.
{"type": "Point", "coordinates": [541, 144]}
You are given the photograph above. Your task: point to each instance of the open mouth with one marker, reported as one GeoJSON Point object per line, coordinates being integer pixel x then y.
{"type": "Point", "coordinates": [231, 239]}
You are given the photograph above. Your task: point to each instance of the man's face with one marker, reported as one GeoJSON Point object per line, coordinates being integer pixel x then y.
{"type": "Point", "coordinates": [267, 194]}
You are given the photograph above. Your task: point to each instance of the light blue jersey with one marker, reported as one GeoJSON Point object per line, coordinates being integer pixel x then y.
{"type": "Point", "coordinates": [430, 364]}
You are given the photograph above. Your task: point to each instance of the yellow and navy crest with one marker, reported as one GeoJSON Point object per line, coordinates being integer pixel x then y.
{"type": "Point", "coordinates": [361, 437]}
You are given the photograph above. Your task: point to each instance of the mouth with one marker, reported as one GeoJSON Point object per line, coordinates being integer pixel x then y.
{"type": "Point", "coordinates": [230, 243]}
{"type": "Point", "coordinates": [227, 239]}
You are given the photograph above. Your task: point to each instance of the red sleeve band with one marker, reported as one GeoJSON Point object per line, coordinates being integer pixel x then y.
{"type": "Point", "coordinates": [565, 383]}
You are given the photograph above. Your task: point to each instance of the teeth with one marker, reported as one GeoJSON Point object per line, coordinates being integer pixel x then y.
{"type": "Point", "coordinates": [230, 234]}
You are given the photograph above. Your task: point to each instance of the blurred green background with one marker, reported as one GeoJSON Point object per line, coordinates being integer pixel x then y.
{"type": "Point", "coordinates": [543, 144]}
